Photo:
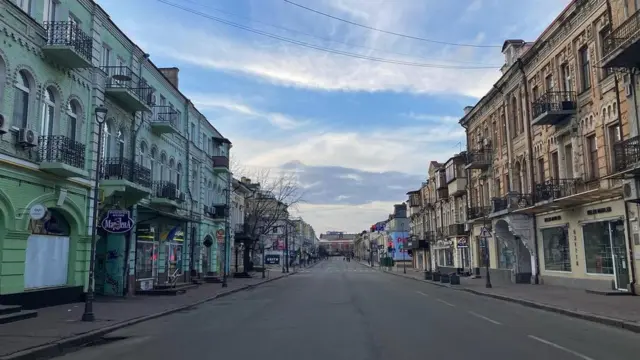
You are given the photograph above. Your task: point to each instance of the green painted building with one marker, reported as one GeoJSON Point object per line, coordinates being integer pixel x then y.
{"type": "Point", "coordinates": [161, 161]}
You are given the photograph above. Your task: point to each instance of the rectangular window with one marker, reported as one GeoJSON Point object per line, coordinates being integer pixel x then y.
{"type": "Point", "coordinates": [585, 68]}
{"type": "Point", "coordinates": [555, 244]}
{"type": "Point", "coordinates": [450, 173]}
{"type": "Point", "coordinates": [25, 5]}
{"type": "Point", "coordinates": [541, 170]}
{"type": "Point", "coordinates": [498, 192]}
{"type": "Point", "coordinates": [605, 72]}
{"type": "Point", "coordinates": [193, 133]}
{"type": "Point", "coordinates": [614, 137]}
{"type": "Point", "coordinates": [598, 237]}
{"type": "Point", "coordinates": [592, 148]}
{"type": "Point", "coordinates": [548, 82]}
{"type": "Point", "coordinates": [71, 127]}
{"type": "Point", "coordinates": [566, 77]}
{"type": "Point", "coordinates": [503, 125]}
{"type": "Point", "coordinates": [555, 166]}
{"type": "Point", "coordinates": [50, 10]}
{"type": "Point", "coordinates": [105, 56]}
{"type": "Point", "coordinates": [568, 161]}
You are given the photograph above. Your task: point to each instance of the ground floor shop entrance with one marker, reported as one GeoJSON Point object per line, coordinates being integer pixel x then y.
{"type": "Point", "coordinates": [605, 250]}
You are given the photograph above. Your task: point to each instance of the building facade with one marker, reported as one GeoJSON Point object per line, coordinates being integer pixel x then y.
{"type": "Point", "coordinates": [163, 169]}
{"type": "Point", "coordinates": [542, 160]}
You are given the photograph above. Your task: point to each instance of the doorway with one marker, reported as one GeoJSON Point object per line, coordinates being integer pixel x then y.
{"type": "Point", "coordinates": [605, 251]}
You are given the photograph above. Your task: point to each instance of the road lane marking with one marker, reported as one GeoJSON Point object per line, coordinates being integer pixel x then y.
{"type": "Point", "coordinates": [446, 303]}
{"type": "Point", "coordinates": [581, 356]}
{"type": "Point", "coordinates": [484, 318]}
{"type": "Point", "coordinates": [421, 293]}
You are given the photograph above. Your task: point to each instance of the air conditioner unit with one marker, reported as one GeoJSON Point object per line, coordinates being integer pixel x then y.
{"type": "Point", "coordinates": [631, 191]}
{"type": "Point", "coordinates": [4, 125]}
{"type": "Point", "coordinates": [27, 137]}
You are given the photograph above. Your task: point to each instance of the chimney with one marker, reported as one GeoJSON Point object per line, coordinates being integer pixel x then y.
{"type": "Point", "coordinates": [467, 109]}
{"type": "Point", "coordinates": [171, 74]}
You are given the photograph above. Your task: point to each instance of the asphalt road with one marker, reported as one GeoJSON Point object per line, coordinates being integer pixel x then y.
{"type": "Point", "coordinates": [339, 310]}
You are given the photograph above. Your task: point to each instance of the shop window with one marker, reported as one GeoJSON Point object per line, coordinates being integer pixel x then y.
{"type": "Point", "coordinates": [47, 253]}
{"type": "Point", "coordinates": [506, 254]}
{"type": "Point", "coordinates": [557, 256]}
{"type": "Point", "coordinates": [601, 241]}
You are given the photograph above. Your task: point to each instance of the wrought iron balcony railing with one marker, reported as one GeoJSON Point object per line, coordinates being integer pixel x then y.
{"type": "Point", "coordinates": [165, 190]}
{"type": "Point", "coordinates": [67, 33]}
{"type": "Point", "coordinates": [555, 189]}
{"type": "Point", "coordinates": [122, 77]}
{"type": "Point", "coordinates": [220, 161]}
{"type": "Point", "coordinates": [479, 157]}
{"type": "Point", "coordinates": [500, 203]}
{"type": "Point", "coordinates": [61, 149]}
{"type": "Point", "coordinates": [478, 212]}
{"type": "Point", "coordinates": [165, 114]}
{"type": "Point", "coordinates": [622, 34]}
{"type": "Point", "coordinates": [554, 101]}
{"type": "Point", "coordinates": [125, 169]}
{"type": "Point", "coordinates": [626, 153]}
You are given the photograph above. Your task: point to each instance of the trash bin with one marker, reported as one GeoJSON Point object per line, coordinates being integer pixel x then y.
{"type": "Point", "coordinates": [454, 279]}
{"type": "Point", "coordinates": [428, 275]}
{"type": "Point", "coordinates": [444, 278]}
{"type": "Point", "coordinates": [436, 276]}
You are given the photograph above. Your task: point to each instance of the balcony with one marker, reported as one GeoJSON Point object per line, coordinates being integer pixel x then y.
{"type": "Point", "coordinates": [165, 194]}
{"type": "Point", "coordinates": [510, 202]}
{"type": "Point", "coordinates": [621, 46]}
{"type": "Point", "coordinates": [218, 211]}
{"type": "Point", "coordinates": [557, 194]}
{"type": "Point", "coordinates": [414, 199]}
{"type": "Point", "coordinates": [61, 156]}
{"type": "Point", "coordinates": [68, 45]}
{"type": "Point", "coordinates": [478, 212]}
{"type": "Point", "coordinates": [555, 189]}
{"type": "Point", "coordinates": [457, 230]}
{"type": "Point", "coordinates": [478, 159]}
{"type": "Point", "coordinates": [554, 107]}
{"type": "Point", "coordinates": [164, 120]}
{"type": "Point", "coordinates": [626, 155]}
{"type": "Point", "coordinates": [126, 88]}
{"type": "Point", "coordinates": [419, 244]}
{"type": "Point", "coordinates": [220, 163]}
{"type": "Point", "coordinates": [125, 178]}
{"type": "Point", "coordinates": [457, 187]}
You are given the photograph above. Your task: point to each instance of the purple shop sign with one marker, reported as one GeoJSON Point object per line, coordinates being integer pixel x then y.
{"type": "Point", "coordinates": [117, 221]}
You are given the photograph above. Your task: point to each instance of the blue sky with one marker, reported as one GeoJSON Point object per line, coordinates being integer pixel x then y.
{"type": "Point", "coordinates": [361, 133]}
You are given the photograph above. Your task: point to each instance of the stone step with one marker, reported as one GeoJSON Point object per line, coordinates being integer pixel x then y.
{"type": "Point", "coordinates": [17, 316]}
{"type": "Point", "coordinates": [178, 290]}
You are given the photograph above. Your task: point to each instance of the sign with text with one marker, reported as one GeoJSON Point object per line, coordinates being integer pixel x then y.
{"type": "Point", "coordinates": [272, 259]}
{"type": "Point", "coordinates": [117, 221]}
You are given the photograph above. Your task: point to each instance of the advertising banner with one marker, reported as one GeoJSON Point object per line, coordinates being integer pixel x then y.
{"type": "Point", "coordinates": [399, 243]}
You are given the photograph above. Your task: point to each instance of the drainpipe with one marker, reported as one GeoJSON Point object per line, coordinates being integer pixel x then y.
{"type": "Point", "coordinates": [626, 208]}
{"type": "Point", "coordinates": [530, 161]}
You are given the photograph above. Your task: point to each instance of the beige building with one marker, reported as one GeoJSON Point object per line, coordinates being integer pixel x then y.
{"type": "Point", "coordinates": [545, 158]}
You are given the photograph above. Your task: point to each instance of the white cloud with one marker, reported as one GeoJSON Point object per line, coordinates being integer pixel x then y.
{"type": "Point", "coordinates": [220, 102]}
{"type": "Point", "coordinates": [348, 218]}
{"type": "Point", "coordinates": [354, 177]}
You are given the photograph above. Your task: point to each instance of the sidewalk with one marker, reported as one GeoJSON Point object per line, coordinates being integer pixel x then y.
{"type": "Point", "coordinates": [620, 311]}
{"type": "Point", "coordinates": [58, 325]}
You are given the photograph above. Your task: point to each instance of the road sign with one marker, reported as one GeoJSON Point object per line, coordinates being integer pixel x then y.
{"type": "Point", "coordinates": [485, 233]}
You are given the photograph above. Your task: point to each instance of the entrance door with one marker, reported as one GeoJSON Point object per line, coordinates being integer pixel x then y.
{"type": "Point", "coordinates": [174, 259]}
{"type": "Point", "coordinates": [619, 254]}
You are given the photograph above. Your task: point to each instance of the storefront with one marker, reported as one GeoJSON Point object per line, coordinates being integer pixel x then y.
{"type": "Point", "coordinates": [443, 253]}
{"type": "Point", "coordinates": [463, 259]}
{"type": "Point", "coordinates": [160, 250]}
{"type": "Point", "coordinates": [585, 247]}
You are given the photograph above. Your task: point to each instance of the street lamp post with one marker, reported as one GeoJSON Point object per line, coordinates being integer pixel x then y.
{"type": "Point", "coordinates": [486, 251]}
{"type": "Point", "coordinates": [227, 236]}
{"type": "Point", "coordinates": [264, 266]}
{"type": "Point", "coordinates": [88, 315]}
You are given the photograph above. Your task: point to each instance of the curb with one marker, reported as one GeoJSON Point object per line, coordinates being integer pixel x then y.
{"type": "Point", "coordinates": [626, 325]}
{"type": "Point", "coordinates": [58, 348]}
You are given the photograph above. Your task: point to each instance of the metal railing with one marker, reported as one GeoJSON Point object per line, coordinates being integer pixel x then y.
{"type": "Point", "coordinates": [479, 157]}
{"type": "Point", "coordinates": [622, 34]}
{"type": "Point", "coordinates": [626, 153]}
{"type": "Point", "coordinates": [125, 169]}
{"type": "Point", "coordinates": [67, 33]}
{"type": "Point", "coordinates": [500, 203]}
{"type": "Point", "coordinates": [59, 148]}
{"type": "Point", "coordinates": [555, 189]}
{"type": "Point", "coordinates": [122, 77]}
{"type": "Point", "coordinates": [477, 212]}
{"type": "Point", "coordinates": [554, 101]}
{"type": "Point", "coordinates": [165, 114]}
{"type": "Point", "coordinates": [165, 189]}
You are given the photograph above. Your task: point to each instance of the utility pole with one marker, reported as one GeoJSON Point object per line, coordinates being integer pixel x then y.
{"type": "Point", "coordinates": [286, 245]}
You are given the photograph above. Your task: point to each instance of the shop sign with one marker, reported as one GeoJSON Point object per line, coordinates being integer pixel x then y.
{"type": "Point", "coordinates": [272, 259]}
{"type": "Point", "coordinates": [37, 212]}
{"type": "Point", "coordinates": [117, 221]}
{"type": "Point", "coordinates": [463, 243]}
{"type": "Point", "coordinates": [220, 234]}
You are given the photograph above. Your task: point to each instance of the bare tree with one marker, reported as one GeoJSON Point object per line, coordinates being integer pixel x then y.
{"type": "Point", "coordinates": [274, 195]}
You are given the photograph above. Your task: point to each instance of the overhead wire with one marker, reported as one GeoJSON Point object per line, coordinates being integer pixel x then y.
{"type": "Point", "coordinates": [320, 48]}
{"type": "Point", "coordinates": [293, 31]}
{"type": "Point", "coordinates": [387, 31]}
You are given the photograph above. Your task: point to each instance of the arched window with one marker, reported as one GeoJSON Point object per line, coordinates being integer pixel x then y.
{"type": "Point", "coordinates": [142, 156]}
{"type": "Point", "coordinates": [72, 119]}
{"type": "Point", "coordinates": [154, 166]}
{"type": "Point", "coordinates": [210, 196]}
{"type": "Point", "coordinates": [172, 164]}
{"type": "Point", "coordinates": [179, 176]}
{"type": "Point", "coordinates": [106, 140]}
{"type": "Point", "coordinates": [163, 166]}
{"type": "Point", "coordinates": [21, 100]}
{"type": "Point", "coordinates": [48, 113]}
{"type": "Point", "coordinates": [119, 144]}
